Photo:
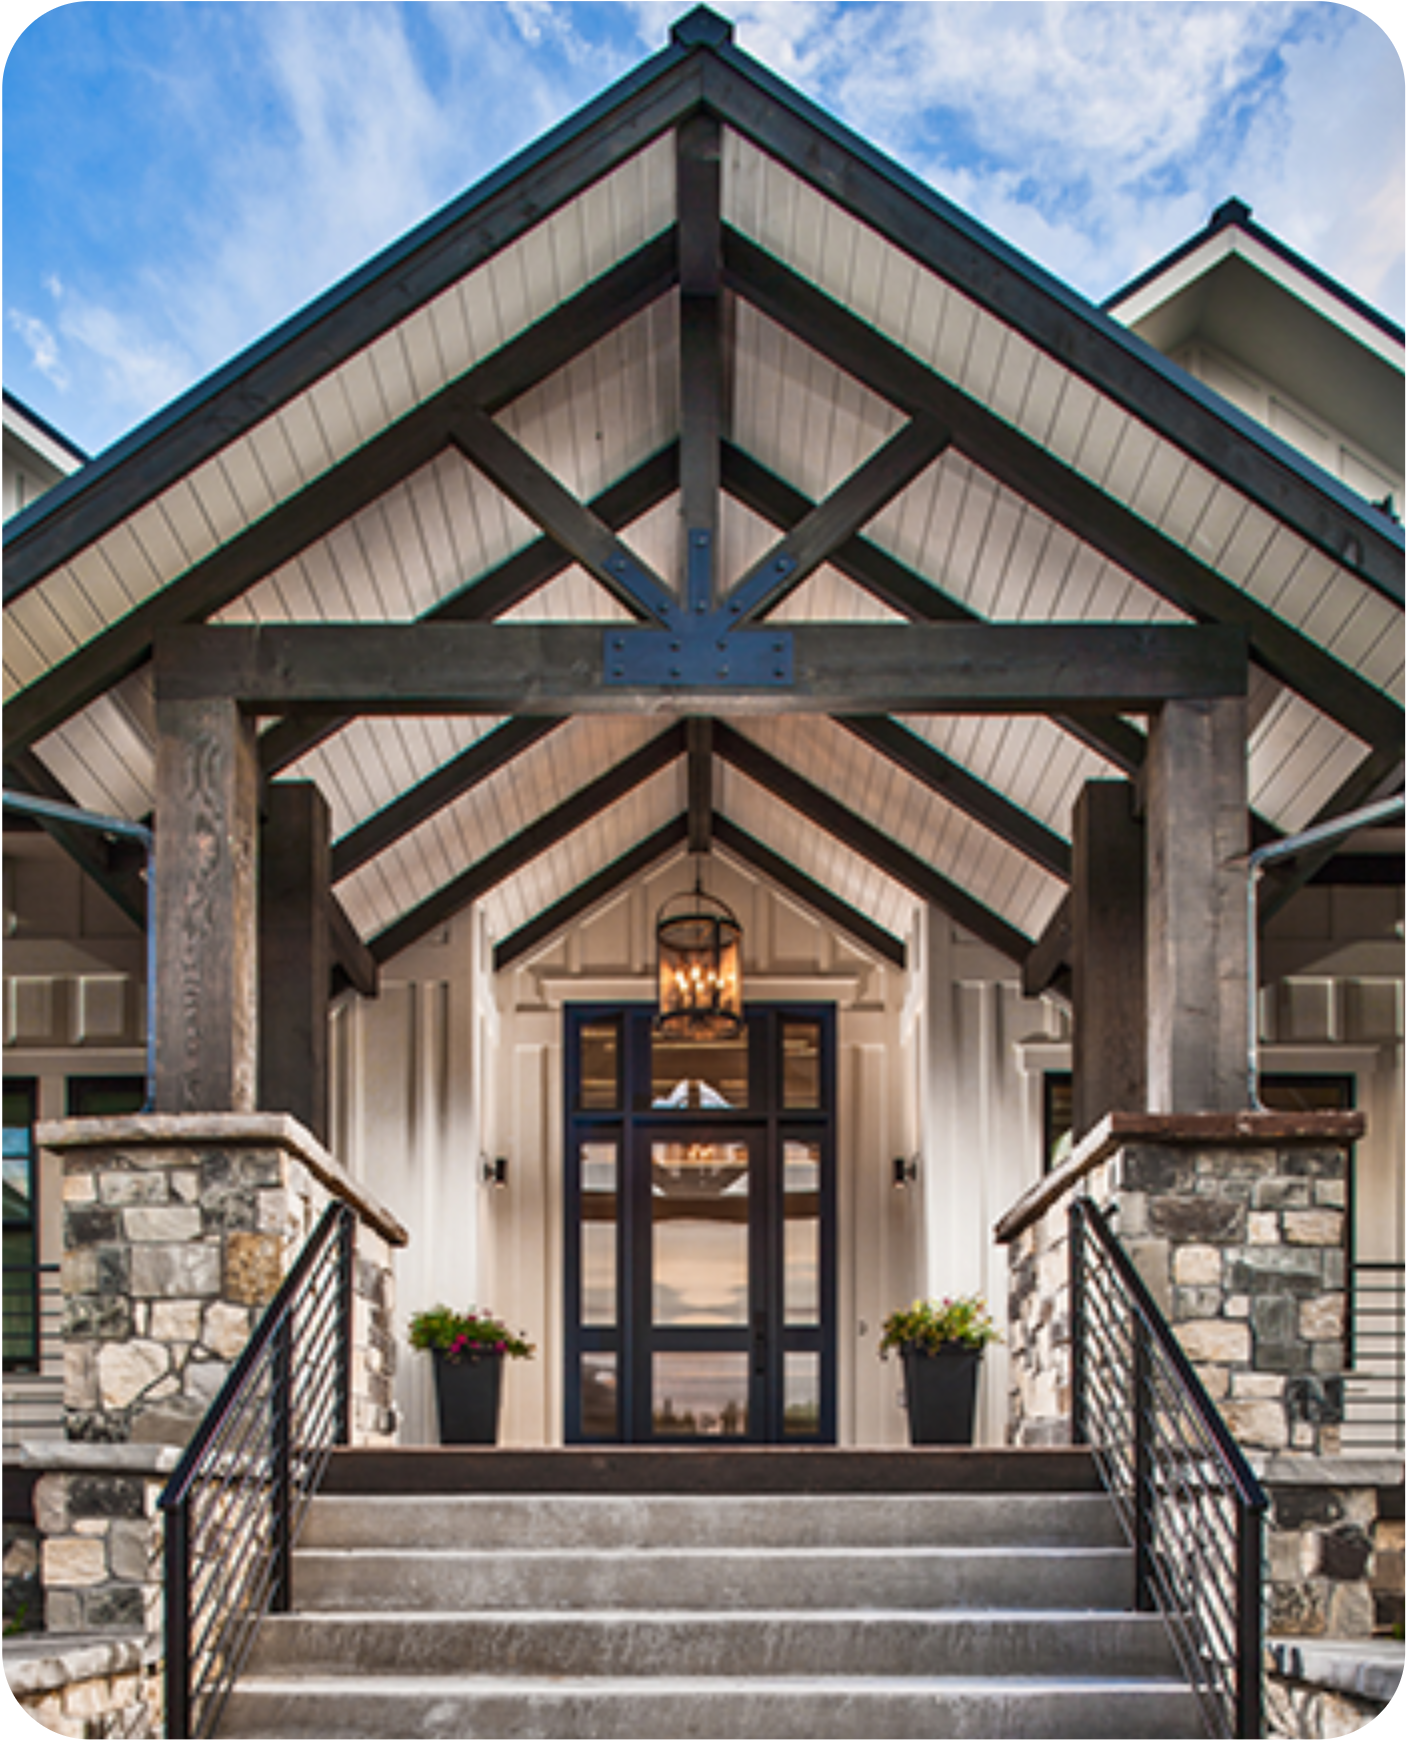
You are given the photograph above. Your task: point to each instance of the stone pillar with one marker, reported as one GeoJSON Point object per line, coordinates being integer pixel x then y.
{"type": "Point", "coordinates": [207, 818]}
{"type": "Point", "coordinates": [1108, 1040]}
{"type": "Point", "coordinates": [1236, 1224]}
{"type": "Point", "coordinates": [1195, 818]}
{"type": "Point", "coordinates": [294, 954]}
{"type": "Point", "coordinates": [177, 1232]}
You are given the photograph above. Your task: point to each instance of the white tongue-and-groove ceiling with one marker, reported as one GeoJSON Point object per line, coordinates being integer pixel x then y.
{"type": "Point", "coordinates": [421, 544]}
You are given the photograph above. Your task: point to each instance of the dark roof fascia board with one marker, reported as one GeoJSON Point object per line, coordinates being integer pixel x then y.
{"type": "Point", "coordinates": [254, 384]}
{"type": "Point", "coordinates": [1317, 275]}
{"type": "Point", "coordinates": [45, 427]}
{"type": "Point", "coordinates": [1057, 319]}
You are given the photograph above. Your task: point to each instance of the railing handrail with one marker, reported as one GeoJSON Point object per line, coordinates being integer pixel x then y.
{"type": "Point", "coordinates": [185, 1470]}
{"type": "Point", "coordinates": [1249, 1488]}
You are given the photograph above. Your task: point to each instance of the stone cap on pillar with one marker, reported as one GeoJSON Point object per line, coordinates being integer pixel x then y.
{"type": "Point", "coordinates": [225, 1130]}
{"type": "Point", "coordinates": [1118, 1130]}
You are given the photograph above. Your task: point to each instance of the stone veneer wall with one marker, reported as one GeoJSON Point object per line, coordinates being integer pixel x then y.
{"type": "Point", "coordinates": [1236, 1224]}
{"type": "Point", "coordinates": [91, 1688]}
{"type": "Point", "coordinates": [177, 1233]}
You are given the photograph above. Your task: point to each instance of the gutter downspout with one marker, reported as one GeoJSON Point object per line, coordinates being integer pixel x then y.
{"type": "Point", "coordinates": [1389, 809]}
{"type": "Point", "coordinates": [46, 808]}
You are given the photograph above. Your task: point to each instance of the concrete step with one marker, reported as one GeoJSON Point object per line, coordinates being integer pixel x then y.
{"type": "Point", "coordinates": [687, 1577]}
{"type": "Point", "coordinates": [650, 1643]}
{"type": "Point", "coordinates": [496, 1522]}
{"type": "Point", "coordinates": [635, 1472]}
{"type": "Point", "coordinates": [312, 1707]}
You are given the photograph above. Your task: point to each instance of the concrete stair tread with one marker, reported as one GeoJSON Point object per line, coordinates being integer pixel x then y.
{"type": "Point", "coordinates": [653, 1685]}
{"type": "Point", "coordinates": [673, 1555]}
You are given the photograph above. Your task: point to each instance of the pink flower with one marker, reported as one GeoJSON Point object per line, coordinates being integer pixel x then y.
{"type": "Point", "coordinates": [500, 1347]}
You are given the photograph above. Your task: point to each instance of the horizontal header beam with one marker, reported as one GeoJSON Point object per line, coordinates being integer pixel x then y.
{"type": "Point", "coordinates": [554, 669]}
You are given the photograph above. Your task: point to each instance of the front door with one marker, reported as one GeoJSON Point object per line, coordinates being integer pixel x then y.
{"type": "Point", "coordinates": [700, 1231]}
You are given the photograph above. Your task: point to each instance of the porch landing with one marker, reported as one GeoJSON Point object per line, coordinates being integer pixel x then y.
{"type": "Point", "coordinates": [693, 1469]}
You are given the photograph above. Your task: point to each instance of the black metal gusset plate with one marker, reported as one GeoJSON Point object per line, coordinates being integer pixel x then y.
{"type": "Point", "coordinates": [703, 657]}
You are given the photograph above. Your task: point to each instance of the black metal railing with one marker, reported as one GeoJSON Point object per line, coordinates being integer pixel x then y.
{"type": "Point", "coordinates": [1189, 1503]}
{"type": "Point", "coordinates": [34, 1352]}
{"type": "Point", "coordinates": [236, 1501]}
{"type": "Point", "coordinates": [1374, 1358]}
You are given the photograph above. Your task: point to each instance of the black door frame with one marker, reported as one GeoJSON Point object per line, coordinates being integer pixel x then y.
{"type": "Point", "coordinates": [766, 1336]}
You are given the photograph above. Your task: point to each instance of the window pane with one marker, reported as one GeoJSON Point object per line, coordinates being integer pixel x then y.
{"type": "Point", "coordinates": [599, 1212]}
{"type": "Point", "coordinates": [699, 1210]}
{"type": "Point", "coordinates": [801, 1231]}
{"type": "Point", "coordinates": [600, 1395]}
{"type": "Point", "coordinates": [600, 1089]}
{"type": "Point", "coordinates": [106, 1096]}
{"type": "Point", "coordinates": [801, 1395]}
{"type": "Point", "coordinates": [801, 1065]}
{"type": "Point", "coordinates": [698, 1074]}
{"type": "Point", "coordinates": [700, 1395]}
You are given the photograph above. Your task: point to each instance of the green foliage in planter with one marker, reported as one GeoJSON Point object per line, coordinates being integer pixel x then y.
{"type": "Point", "coordinates": [929, 1324]}
{"type": "Point", "coordinates": [471, 1334]}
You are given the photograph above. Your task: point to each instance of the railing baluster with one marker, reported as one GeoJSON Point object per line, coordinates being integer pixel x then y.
{"type": "Point", "coordinates": [1186, 1498]}
{"type": "Point", "coordinates": [1077, 1326]}
{"type": "Point", "coordinates": [235, 1503]}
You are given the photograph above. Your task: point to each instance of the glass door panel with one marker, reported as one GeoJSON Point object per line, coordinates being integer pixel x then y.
{"type": "Point", "coordinates": [699, 1203]}
{"type": "Point", "coordinates": [801, 1232]}
{"type": "Point", "coordinates": [699, 1395]}
{"type": "Point", "coordinates": [599, 1163]}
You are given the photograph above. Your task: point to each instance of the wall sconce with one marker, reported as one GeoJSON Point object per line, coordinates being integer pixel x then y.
{"type": "Point", "coordinates": [496, 1172]}
{"type": "Point", "coordinates": [905, 1172]}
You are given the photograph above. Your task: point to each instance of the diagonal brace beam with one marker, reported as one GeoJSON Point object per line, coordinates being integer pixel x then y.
{"type": "Point", "coordinates": [834, 521]}
{"type": "Point", "coordinates": [533, 489]}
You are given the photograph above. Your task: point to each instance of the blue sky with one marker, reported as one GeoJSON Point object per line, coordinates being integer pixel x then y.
{"type": "Point", "coordinates": [180, 177]}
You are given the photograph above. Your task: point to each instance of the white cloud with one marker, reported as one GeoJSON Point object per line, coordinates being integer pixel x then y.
{"type": "Point", "coordinates": [135, 368]}
{"type": "Point", "coordinates": [42, 345]}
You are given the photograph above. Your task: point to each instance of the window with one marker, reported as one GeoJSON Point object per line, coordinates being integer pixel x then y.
{"type": "Point", "coordinates": [21, 1286]}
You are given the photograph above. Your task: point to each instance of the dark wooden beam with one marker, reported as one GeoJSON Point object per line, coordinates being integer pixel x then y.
{"type": "Point", "coordinates": [1047, 965]}
{"type": "Point", "coordinates": [489, 755]}
{"type": "Point", "coordinates": [699, 740]}
{"type": "Point", "coordinates": [111, 869]}
{"type": "Point", "coordinates": [322, 505]}
{"type": "Point", "coordinates": [295, 956]}
{"type": "Point", "coordinates": [833, 522]}
{"type": "Point", "coordinates": [206, 908]}
{"type": "Point", "coordinates": [1062, 493]}
{"type": "Point", "coordinates": [931, 230]}
{"type": "Point", "coordinates": [842, 668]}
{"type": "Point", "coordinates": [1378, 775]}
{"type": "Point", "coordinates": [355, 967]}
{"type": "Point", "coordinates": [533, 489]}
{"type": "Point", "coordinates": [698, 186]}
{"type": "Point", "coordinates": [954, 783]}
{"type": "Point", "coordinates": [1108, 948]}
{"type": "Point", "coordinates": [471, 230]}
{"type": "Point", "coordinates": [904, 591]}
{"type": "Point", "coordinates": [596, 888]}
{"type": "Point", "coordinates": [873, 938]}
{"type": "Point", "coordinates": [867, 841]}
{"type": "Point", "coordinates": [546, 831]}
{"type": "Point", "coordinates": [491, 594]}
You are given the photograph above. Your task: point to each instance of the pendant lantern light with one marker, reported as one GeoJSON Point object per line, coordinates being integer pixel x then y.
{"type": "Point", "coordinates": [699, 954]}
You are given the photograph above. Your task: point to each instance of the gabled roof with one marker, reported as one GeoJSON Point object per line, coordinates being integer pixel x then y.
{"type": "Point", "coordinates": [496, 419]}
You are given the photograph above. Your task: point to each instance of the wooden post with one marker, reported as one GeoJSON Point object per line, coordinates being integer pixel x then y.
{"type": "Point", "coordinates": [1107, 953]}
{"type": "Point", "coordinates": [1195, 818]}
{"type": "Point", "coordinates": [294, 954]}
{"type": "Point", "coordinates": [206, 820]}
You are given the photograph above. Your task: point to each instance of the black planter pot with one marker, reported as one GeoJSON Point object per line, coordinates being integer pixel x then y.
{"type": "Point", "coordinates": [467, 1394]}
{"type": "Point", "coordinates": [939, 1392]}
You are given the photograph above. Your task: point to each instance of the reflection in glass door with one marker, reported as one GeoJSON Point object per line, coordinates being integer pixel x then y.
{"type": "Point", "coordinates": [699, 1265]}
